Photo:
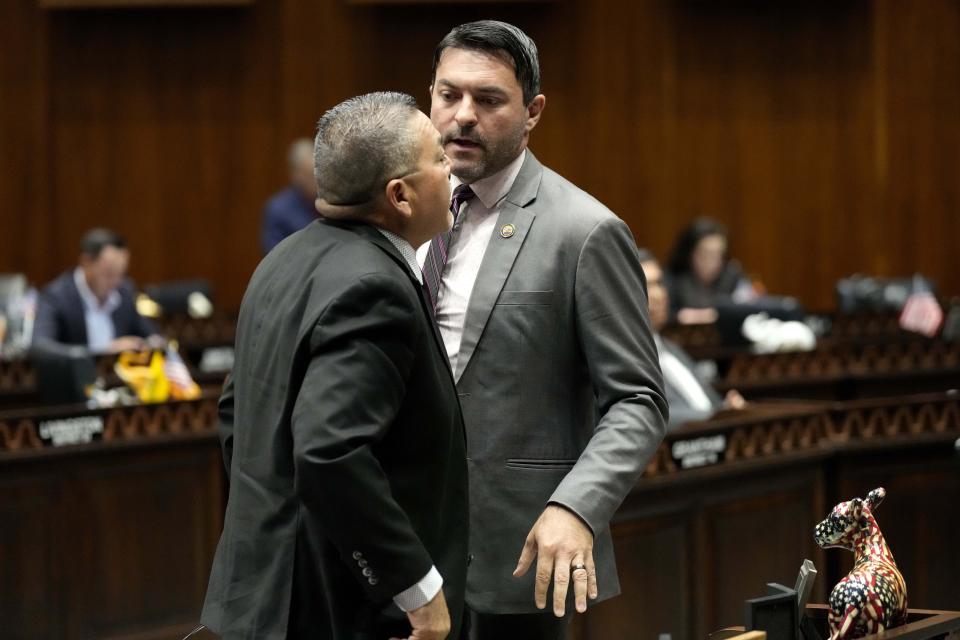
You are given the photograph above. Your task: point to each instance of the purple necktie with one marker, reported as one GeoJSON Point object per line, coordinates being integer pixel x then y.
{"type": "Point", "coordinates": [437, 254]}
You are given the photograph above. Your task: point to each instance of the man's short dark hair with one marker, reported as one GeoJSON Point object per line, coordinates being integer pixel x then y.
{"type": "Point", "coordinates": [493, 36]}
{"type": "Point", "coordinates": [96, 240]}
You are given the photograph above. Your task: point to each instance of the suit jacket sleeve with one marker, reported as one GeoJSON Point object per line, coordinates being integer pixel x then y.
{"type": "Point", "coordinates": [45, 321]}
{"type": "Point", "coordinates": [361, 355]}
{"type": "Point", "coordinates": [691, 365]}
{"type": "Point", "coordinates": [614, 334]}
{"type": "Point", "coordinates": [682, 413]}
{"type": "Point", "coordinates": [225, 412]}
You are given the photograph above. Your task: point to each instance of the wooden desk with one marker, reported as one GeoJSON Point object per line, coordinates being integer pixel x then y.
{"type": "Point", "coordinates": [846, 372]}
{"type": "Point", "coordinates": [18, 380]}
{"type": "Point", "coordinates": [114, 538]}
{"type": "Point", "coordinates": [693, 544]}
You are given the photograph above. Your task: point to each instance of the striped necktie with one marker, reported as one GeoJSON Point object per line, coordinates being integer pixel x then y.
{"type": "Point", "coordinates": [437, 253]}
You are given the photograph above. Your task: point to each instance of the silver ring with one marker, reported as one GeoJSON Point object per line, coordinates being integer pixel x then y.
{"type": "Point", "coordinates": [577, 567]}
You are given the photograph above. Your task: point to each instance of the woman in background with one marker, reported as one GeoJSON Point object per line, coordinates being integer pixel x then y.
{"type": "Point", "coordinates": [702, 276]}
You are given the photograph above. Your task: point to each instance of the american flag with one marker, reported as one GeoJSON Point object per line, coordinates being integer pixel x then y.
{"type": "Point", "coordinates": [921, 312]}
{"type": "Point", "coordinates": [182, 385]}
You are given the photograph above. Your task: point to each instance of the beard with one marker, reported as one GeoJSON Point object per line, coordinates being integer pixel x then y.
{"type": "Point", "coordinates": [494, 154]}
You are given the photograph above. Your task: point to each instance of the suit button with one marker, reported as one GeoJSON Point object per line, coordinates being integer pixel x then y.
{"type": "Point", "coordinates": [469, 559]}
{"type": "Point", "coordinates": [368, 572]}
{"type": "Point", "coordinates": [357, 555]}
{"type": "Point", "coordinates": [372, 581]}
{"type": "Point", "coordinates": [362, 563]}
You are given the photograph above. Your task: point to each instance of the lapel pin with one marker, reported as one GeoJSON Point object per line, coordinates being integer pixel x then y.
{"type": "Point", "coordinates": [507, 231]}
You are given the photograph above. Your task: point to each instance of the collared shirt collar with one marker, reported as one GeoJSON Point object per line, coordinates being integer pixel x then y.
{"type": "Point", "coordinates": [492, 189]}
{"type": "Point", "coordinates": [90, 300]}
{"type": "Point", "coordinates": [406, 250]}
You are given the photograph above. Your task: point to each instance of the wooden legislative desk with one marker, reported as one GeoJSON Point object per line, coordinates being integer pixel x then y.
{"type": "Point", "coordinates": [864, 355]}
{"type": "Point", "coordinates": [846, 371]}
{"type": "Point", "coordinates": [693, 544]}
{"type": "Point", "coordinates": [113, 538]}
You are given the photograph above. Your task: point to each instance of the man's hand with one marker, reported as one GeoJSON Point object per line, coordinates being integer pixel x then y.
{"type": "Point", "coordinates": [560, 541]}
{"type": "Point", "coordinates": [127, 343]}
{"type": "Point", "coordinates": [156, 342]}
{"type": "Point", "coordinates": [431, 621]}
{"type": "Point", "coordinates": [734, 400]}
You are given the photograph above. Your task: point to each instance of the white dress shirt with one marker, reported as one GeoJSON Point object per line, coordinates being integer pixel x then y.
{"type": "Point", "coordinates": [471, 235]}
{"type": "Point", "coordinates": [98, 317]}
{"type": "Point", "coordinates": [676, 374]}
{"type": "Point", "coordinates": [423, 591]}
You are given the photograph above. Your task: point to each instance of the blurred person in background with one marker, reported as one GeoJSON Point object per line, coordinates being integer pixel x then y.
{"type": "Point", "coordinates": [702, 277]}
{"type": "Point", "coordinates": [293, 208]}
{"type": "Point", "coordinates": [689, 396]}
{"type": "Point", "coordinates": [93, 304]}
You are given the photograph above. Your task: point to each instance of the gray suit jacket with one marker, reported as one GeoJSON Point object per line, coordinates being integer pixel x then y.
{"type": "Point", "coordinates": [558, 378]}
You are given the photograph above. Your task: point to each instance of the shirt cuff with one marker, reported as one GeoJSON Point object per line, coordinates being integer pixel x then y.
{"type": "Point", "coordinates": [421, 593]}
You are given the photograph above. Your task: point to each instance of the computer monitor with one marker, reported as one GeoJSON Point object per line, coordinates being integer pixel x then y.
{"type": "Point", "coordinates": [63, 374]}
{"type": "Point", "coordinates": [775, 613]}
{"type": "Point", "coordinates": [804, 586]}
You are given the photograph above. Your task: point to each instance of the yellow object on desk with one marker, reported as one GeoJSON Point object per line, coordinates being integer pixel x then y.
{"type": "Point", "coordinates": [143, 372]}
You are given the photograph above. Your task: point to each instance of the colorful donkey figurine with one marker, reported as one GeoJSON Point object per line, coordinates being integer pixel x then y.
{"type": "Point", "coordinates": [873, 596]}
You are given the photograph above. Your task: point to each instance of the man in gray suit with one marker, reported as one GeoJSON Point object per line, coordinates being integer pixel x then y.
{"type": "Point", "coordinates": [540, 300]}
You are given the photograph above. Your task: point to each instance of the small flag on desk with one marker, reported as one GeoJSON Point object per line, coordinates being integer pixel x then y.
{"type": "Point", "coordinates": [921, 312]}
{"type": "Point", "coordinates": [182, 386]}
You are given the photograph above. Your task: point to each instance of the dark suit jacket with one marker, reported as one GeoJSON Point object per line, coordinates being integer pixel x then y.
{"type": "Point", "coordinates": [285, 213]}
{"type": "Point", "coordinates": [680, 409]}
{"type": "Point", "coordinates": [686, 291]}
{"type": "Point", "coordinates": [60, 318]}
{"type": "Point", "coordinates": [344, 444]}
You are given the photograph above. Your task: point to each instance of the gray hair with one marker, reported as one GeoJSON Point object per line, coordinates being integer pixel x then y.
{"type": "Point", "coordinates": [361, 144]}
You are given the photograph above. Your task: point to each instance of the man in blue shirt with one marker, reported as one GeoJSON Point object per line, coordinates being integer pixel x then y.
{"type": "Point", "coordinates": [292, 208]}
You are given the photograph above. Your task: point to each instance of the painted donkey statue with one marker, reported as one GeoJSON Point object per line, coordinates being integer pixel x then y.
{"type": "Point", "coordinates": [873, 596]}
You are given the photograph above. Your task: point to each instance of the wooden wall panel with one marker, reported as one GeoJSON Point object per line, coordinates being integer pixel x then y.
{"type": "Point", "coordinates": [661, 547]}
{"type": "Point", "coordinates": [827, 135]}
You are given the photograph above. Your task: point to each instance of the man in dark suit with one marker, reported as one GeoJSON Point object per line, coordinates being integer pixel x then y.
{"type": "Point", "coordinates": [539, 298]}
{"type": "Point", "coordinates": [93, 305]}
{"type": "Point", "coordinates": [690, 396]}
{"type": "Point", "coordinates": [340, 424]}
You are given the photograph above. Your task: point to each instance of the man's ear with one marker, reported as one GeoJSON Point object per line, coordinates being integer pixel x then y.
{"type": "Point", "coordinates": [534, 110]}
{"type": "Point", "coordinates": [398, 194]}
